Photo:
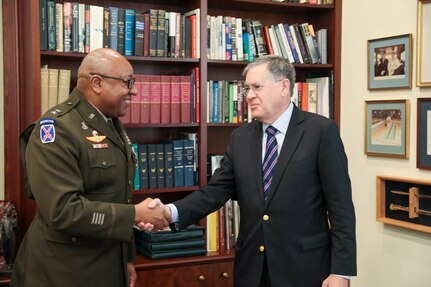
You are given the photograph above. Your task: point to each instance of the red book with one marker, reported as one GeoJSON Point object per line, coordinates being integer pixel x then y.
{"type": "Point", "coordinates": [194, 40]}
{"type": "Point", "coordinates": [155, 99]}
{"type": "Point", "coordinates": [198, 95]}
{"type": "Point", "coordinates": [268, 40]}
{"type": "Point", "coordinates": [146, 34]}
{"type": "Point", "coordinates": [240, 106]}
{"type": "Point", "coordinates": [166, 99]}
{"type": "Point", "coordinates": [145, 99]}
{"type": "Point", "coordinates": [135, 105]}
{"type": "Point", "coordinates": [175, 99]}
{"type": "Point", "coordinates": [185, 98]}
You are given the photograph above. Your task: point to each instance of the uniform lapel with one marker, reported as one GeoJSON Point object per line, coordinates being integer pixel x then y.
{"type": "Point", "coordinates": [256, 156]}
{"type": "Point", "coordinates": [290, 144]}
{"type": "Point", "coordinates": [95, 120]}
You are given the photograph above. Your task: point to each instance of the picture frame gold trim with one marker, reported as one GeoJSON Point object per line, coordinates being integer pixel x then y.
{"type": "Point", "coordinates": [387, 128]}
{"type": "Point", "coordinates": [423, 46]}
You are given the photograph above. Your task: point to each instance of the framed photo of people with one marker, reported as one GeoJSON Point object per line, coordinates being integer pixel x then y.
{"type": "Point", "coordinates": [387, 128]}
{"type": "Point", "coordinates": [423, 143]}
{"type": "Point", "coordinates": [390, 63]}
{"type": "Point", "coordinates": [423, 78]}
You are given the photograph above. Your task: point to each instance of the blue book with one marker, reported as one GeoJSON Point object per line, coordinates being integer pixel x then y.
{"type": "Point", "coordinates": [189, 162]}
{"type": "Point", "coordinates": [143, 166]}
{"type": "Point", "coordinates": [178, 155]}
{"type": "Point", "coordinates": [152, 165]}
{"type": "Point", "coordinates": [136, 181]}
{"type": "Point", "coordinates": [113, 27]}
{"type": "Point", "coordinates": [291, 43]}
{"type": "Point", "coordinates": [216, 114]}
{"type": "Point", "coordinates": [169, 165]}
{"type": "Point", "coordinates": [129, 32]}
{"type": "Point", "coordinates": [160, 151]}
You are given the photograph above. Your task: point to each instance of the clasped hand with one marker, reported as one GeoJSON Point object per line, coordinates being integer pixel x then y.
{"type": "Point", "coordinates": [152, 214]}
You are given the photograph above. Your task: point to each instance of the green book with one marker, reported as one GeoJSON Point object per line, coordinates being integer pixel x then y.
{"type": "Point", "coordinates": [167, 235]}
{"type": "Point", "coordinates": [171, 253]}
{"type": "Point", "coordinates": [174, 245]}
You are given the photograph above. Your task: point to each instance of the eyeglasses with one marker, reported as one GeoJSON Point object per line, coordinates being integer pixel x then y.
{"type": "Point", "coordinates": [129, 82]}
{"type": "Point", "coordinates": [257, 87]}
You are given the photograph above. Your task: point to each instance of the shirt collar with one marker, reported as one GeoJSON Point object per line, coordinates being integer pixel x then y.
{"type": "Point", "coordinates": [282, 123]}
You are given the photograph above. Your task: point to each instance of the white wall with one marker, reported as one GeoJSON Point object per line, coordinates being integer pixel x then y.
{"type": "Point", "coordinates": [1, 106]}
{"type": "Point", "coordinates": [387, 255]}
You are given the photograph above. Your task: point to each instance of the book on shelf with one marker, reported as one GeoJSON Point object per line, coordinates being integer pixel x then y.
{"type": "Point", "coordinates": [139, 34]}
{"type": "Point", "coordinates": [169, 165]}
{"type": "Point", "coordinates": [106, 28]}
{"type": "Point", "coordinates": [143, 166]}
{"type": "Point", "coordinates": [178, 162]}
{"type": "Point", "coordinates": [63, 85]}
{"type": "Point", "coordinates": [189, 162]}
{"type": "Point", "coordinates": [161, 33]}
{"type": "Point", "coordinates": [121, 30]}
{"type": "Point", "coordinates": [135, 102]}
{"type": "Point", "coordinates": [75, 28]}
{"type": "Point", "coordinates": [59, 27]}
{"type": "Point", "coordinates": [51, 9]}
{"type": "Point", "coordinates": [145, 98]}
{"type": "Point", "coordinates": [166, 235]}
{"type": "Point", "coordinates": [52, 88]}
{"type": "Point", "coordinates": [129, 32]}
{"type": "Point", "coordinates": [155, 99]}
{"type": "Point", "coordinates": [324, 92]}
{"type": "Point", "coordinates": [160, 164]}
{"type": "Point", "coordinates": [43, 29]}
{"type": "Point", "coordinates": [165, 109]}
{"type": "Point", "coordinates": [67, 25]}
{"type": "Point", "coordinates": [96, 27]}
{"type": "Point", "coordinates": [136, 180]}
{"type": "Point", "coordinates": [152, 165]}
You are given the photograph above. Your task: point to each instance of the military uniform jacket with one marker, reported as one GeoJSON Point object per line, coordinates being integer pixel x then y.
{"type": "Point", "coordinates": [80, 172]}
{"type": "Point", "coordinates": [290, 229]}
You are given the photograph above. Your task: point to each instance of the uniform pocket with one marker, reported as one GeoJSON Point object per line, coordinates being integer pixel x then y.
{"type": "Point", "coordinates": [101, 159]}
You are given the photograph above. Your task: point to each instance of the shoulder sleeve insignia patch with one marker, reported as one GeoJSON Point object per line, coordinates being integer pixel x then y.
{"type": "Point", "coordinates": [47, 133]}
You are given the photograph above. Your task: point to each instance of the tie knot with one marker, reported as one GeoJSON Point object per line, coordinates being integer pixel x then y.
{"type": "Point", "coordinates": [270, 131]}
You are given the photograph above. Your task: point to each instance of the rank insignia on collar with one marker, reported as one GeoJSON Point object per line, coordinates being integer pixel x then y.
{"type": "Point", "coordinates": [84, 126]}
{"type": "Point", "coordinates": [96, 138]}
{"type": "Point", "coordinates": [47, 133]}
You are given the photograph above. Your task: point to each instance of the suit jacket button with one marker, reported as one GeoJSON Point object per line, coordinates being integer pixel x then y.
{"type": "Point", "coordinates": [265, 217]}
{"type": "Point", "coordinates": [129, 201]}
{"type": "Point", "coordinates": [130, 182]}
{"type": "Point", "coordinates": [73, 239]}
{"type": "Point", "coordinates": [104, 163]}
{"type": "Point", "coordinates": [262, 248]}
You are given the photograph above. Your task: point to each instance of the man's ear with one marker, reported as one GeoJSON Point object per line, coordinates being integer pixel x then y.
{"type": "Point", "coordinates": [96, 84]}
{"type": "Point", "coordinates": [286, 88]}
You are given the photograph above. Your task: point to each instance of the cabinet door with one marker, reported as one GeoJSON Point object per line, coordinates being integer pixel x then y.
{"type": "Point", "coordinates": [213, 274]}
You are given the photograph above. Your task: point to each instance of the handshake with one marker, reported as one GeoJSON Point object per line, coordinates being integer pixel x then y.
{"type": "Point", "coordinates": [152, 214]}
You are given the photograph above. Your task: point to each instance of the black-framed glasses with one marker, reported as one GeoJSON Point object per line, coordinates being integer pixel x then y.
{"type": "Point", "coordinates": [129, 82]}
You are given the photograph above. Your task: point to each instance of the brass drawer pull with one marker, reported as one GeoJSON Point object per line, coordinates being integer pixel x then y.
{"type": "Point", "coordinates": [225, 275]}
{"type": "Point", "coordinates": [202, 278]}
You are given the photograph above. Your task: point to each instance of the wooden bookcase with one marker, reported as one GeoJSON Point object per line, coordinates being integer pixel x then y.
{"type": "Point", "coordinates": [22, 62]}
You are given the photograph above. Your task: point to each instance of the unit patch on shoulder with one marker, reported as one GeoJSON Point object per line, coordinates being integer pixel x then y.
{"type": "Point", "coordinates": [47, 130]}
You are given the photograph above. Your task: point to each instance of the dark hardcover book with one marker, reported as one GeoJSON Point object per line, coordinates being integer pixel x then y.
{"type": "Point", "coordinates": [121, 15]}
{"type": "Point", "coordinates": [189, 161]}
{"type": "Point", "coordinates": [152, 165]}
{"type": "Point", "coordinates": [249, 44]}
{"type": "Point", "coordinates": [175, 245]}
{"type": "Point", "coordinates": [308, 42]}
{"type": "Point", "coordinates": [169, 165]}
{"type": "Point", "coordinates": [106, 29]}
{"type": "Point", "coordinates": [178, 154]}
{"type": "Point", "coordinates": [258, 38]}
{"type": "Point", "coordinates": [136, 181]}
{"type": "Point", "coordinates": [143, 166]}
{"type": "Point", "coordinates": [113, 28]}
{"type": "Point", "coordinates": [75, 27]}
{"type": "Point", "coordinates": [43, 14]}
{"type": "Point", "coordinates": [139, 34]}
{"type": "Point", "coordinates": [166, 235]}
{"type": "Point", "coordinates": [160, 162]}
{"type": "Point", "coordinates": [301, 43]}
{"type": "Point", "coordinates": [172, 253]}
{"type": "Point", "coordinates": [51, 26]}
{"type": "Point", "coordinates": [291, 43]}
{"type": "Point", "coordinates": [153, 32]}
{"type": "Point", "coordinates": [129, 32]}
{"type": "Point", "coordinates": [188, 38]}
{"type": "Point", "coordinates": [161, 35]}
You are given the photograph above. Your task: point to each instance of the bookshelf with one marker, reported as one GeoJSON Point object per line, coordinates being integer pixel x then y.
{"type": "Point", "coordinates": [23, 59]}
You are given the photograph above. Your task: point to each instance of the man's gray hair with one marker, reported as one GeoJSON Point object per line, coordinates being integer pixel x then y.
{"type": "Point", "coordinates": [278, 68]}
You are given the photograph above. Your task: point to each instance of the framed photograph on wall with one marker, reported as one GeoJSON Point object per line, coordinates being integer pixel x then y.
{"type": "Point", "coordinates": [423, 143]}
{"type": "Point", "coordinates": [423, 60]}
{"type": "Point", "coordinates": [387, 128]}
{"type": "Point", "coordinates": [390, 63]}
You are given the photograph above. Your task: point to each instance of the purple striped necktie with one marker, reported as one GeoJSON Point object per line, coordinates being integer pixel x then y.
{"type": "Point", "coordinates": [271, 155]}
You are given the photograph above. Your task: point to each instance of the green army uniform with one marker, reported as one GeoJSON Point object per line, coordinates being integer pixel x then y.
{"type": "Point", "coordinates": [81, 175]}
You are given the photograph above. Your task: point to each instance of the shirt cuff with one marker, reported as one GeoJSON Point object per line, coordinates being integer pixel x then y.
{"type": "Point", "coordinates": [344, 276]}
{"type": "Point", "coordinates": [174, 212]}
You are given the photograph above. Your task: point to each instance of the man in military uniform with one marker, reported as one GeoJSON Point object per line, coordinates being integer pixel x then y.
{"type": "Point", "coordinates": [79, 168]}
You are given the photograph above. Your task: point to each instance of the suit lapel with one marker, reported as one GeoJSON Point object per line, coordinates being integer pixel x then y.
{"type": "Point", "coordinates": [256, 156]}
{"type": "Point", "coordinates": [290, 144]}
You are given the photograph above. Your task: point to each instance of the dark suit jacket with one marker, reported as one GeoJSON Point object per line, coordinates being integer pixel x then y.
{"type": "Point", "coordinates": [82, 234]}
{"type": "Point", "coordinates": [310, 184]}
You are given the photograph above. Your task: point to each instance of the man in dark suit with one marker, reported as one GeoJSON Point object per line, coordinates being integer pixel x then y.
{"type": "Point", "coordinates": [80, 170]}
{"type": "Point", "coordinates": [297, 221]}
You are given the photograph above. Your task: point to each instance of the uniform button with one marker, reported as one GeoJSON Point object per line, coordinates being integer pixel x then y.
{"type": "Point", "coordinates": [130, 182]}
{"type": "Point", "coordinates": [69, 103]}
{"type": "Point", "coordinates": [262, 248]}
{"type": "Point", "coordinates": [265, 217]}
{"type": "Point", "coordinates": [129, 201]}
{"type": "Point", "coordinates": [73, 239]}
{"type": "Point", "coordinates": [104, 163]}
